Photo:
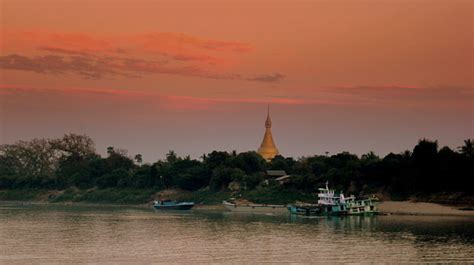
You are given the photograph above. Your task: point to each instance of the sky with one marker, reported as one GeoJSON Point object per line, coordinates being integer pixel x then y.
{"type": "Point", "coordinates": [196, 76]}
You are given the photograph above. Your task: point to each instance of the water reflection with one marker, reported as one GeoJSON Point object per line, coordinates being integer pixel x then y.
{"type": "Point", "coordinates": [63, 234]}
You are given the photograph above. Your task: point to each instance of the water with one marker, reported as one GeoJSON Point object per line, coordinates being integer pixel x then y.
{"type": "Point", "coordinates": [99, 234]}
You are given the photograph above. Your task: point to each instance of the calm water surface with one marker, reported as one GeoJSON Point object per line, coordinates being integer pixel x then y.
{"type": "Point", "coordinates": [76, 234]}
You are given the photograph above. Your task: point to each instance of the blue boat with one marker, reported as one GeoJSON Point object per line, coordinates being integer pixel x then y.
{"type": "Point", "coordinates": [305, 209]}
{"type": "Point", "coordinates": [172, 205]}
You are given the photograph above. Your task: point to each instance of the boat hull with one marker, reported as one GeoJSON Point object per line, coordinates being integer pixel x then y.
{"type": "Point", "coordinates": [307, 210]}
{"type": "Point", "coordinates": [255, 208]}
{"type": "Point", "coordinates": [176, 207]}
{"type": "Point", "coordinates": [316, 209]}
{"type": "Point", "coordinates": [362, 207]}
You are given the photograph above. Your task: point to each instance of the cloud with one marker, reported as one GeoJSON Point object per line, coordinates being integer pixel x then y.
{"type": "Point", "coordinates": [435, 99]}
{"type": "Point", "coordinates": [268, 78]}
{"type": "Point", "coordinates": [170, 40]}
{"type": "Point", "coordinates": [404, 91]}
{"type": "Point", "coordinates": [97, 57]}
{"type": "Point", "coordinates": [65, 97]}
{"type": "Point", "coordinates": [404, 95]}
{"type": "Point", "coordinates": [88, 67]}
{"type": "Point", "coordinates": [65, 51]}
{"type": "Point", "coordinates": [95, 67]}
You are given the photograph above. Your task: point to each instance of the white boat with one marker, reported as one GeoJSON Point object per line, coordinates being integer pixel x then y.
{"type": "Point", "coordinates": [255, 208]}
{"type": "Point", "coordinates": [332, 203]}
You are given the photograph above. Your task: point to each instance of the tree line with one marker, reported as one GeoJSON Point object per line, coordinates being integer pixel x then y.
{"type": "Point", "coordinates": [73, 161]}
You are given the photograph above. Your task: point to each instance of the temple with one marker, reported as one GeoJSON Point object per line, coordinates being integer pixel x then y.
{"type": "Point", "coordinates": [268, 149]}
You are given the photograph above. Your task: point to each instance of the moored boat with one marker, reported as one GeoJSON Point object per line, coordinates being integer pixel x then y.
{"type": "Point", "coordinates": [305, 209]}
{"type": "Point", "coordinates": [172, 205]}
{"type": "Point", "coordinates": [254, 208]}
{"type": "Point", "coordinates": [331, 202]}
{"type": "Point", "coordinates": [362, 206]}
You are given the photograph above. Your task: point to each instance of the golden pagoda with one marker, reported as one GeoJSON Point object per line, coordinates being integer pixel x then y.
{"type": "Point", "coordinates": [268, 149]}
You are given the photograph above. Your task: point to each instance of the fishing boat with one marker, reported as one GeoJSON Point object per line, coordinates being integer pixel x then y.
{"type": "Point", "coordinates": [331, 202]}
{"type": "Point", "coordinates": [248, 207]}
{"type": "Point", "coordinates": [362, 206]}
{"type": "Point", "coordinates": [172, 205]}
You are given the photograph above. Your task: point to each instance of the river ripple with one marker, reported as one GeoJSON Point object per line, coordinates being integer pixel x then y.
{"type": "Point", "coordinates": [86, 234]}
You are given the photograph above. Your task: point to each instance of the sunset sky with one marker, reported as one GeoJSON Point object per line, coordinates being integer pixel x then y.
{"type": "Point", "coordinates": [196, 76]}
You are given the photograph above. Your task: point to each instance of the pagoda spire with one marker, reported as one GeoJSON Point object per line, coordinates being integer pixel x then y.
{"type": "Point", "coordinates": [268, 122]}
{"type": "Point", "coordinates": [268, 149]}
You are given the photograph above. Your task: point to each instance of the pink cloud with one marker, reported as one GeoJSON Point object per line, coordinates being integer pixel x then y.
{"type": "Point", "coordinates": [170, 102]}
{"type": "Point", "coordinates": [447, 98]}
{"type": "Point", "coordinates": [95, 57]}
{"type": "Point", "coordinates": [178, 41]}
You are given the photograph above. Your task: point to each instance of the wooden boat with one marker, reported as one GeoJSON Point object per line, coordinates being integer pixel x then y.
{"type": "Point", "coordinates": [254, 208]}
{"type": "Point", "coordinates": [172, 205]}
{"type": "Point", "coordinates": [317, 209]}
{"type": "Point", "coordinates": [305, 209]}
{"type": "Point", "coordinates": [362, 206]}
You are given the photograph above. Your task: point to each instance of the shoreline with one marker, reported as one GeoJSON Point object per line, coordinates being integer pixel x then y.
{"type": "Point", "coordinates": [386, 207]}
{"type": "Point", "coordinates": [422, 209]}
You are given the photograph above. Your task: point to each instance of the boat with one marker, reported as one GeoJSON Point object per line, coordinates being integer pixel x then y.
{"type": "Point", "coordinates": [331, 203]}
{"type": "Point", "coordinates": [172, 205]}
{"type": "Point", "coordinates": [362, 206]}
{"type": "Point", "coordinates": [248, 207]}
{"type": "Point", "coordinates": [305, 209]}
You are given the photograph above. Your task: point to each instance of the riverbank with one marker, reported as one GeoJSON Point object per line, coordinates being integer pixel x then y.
{"type": "Point", "coordinates": [386, 208]}
{"type": "Point", "coordinates": [144, 196]}
{"type": "Point", "coordinates": [423, 208]}
{"type": "Point", "coordinates": [205, 200]}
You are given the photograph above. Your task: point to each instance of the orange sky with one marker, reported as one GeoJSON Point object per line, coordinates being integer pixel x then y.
{"type": "Point", "coordinates": [194, 76]}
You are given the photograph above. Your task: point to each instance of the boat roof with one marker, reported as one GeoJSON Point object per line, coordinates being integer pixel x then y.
{"type": "Point", "coordinates": [276, 173]}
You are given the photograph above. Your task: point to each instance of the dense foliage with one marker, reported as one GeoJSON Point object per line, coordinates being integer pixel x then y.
{"type": "Point", "coordinates": [73, 162]}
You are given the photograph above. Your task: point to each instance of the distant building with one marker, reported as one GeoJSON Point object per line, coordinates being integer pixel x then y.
{"type": "Point", "coordinates": [275, 173]}
{"type": "Point", "coordinates": [268, 149]}
{"type": "Point", "coordinates": [278, 175]}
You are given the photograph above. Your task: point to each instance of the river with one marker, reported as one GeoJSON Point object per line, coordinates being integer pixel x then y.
{"type": "Point", "coordinates": [31, 233]}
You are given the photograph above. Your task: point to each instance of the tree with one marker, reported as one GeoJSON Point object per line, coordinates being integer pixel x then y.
{"type": "Point", "coordinates": [426, 166]}
{"type": "Point", "coordinates": [215, 159]}
{"type": "Point", "coordinates": [74, 145]}
{"type": "Point", "coordinates": [188, 174]}
{"type": "Point", "coordinates": [250, 162]}
{"type": "Point", "coordinates": [425, 151]}
{"type": "Point", "coordinates": [30, 159]}
{"type": "Point", "coordinates": [222, 176]}
{"type": "Point", "coordinates": [370, 157]}
{"type": "Point", "coordinates": [119, 159]}
{"type": "Point", "coordinates": [171, 157]}
{"type": "Point", "coordinates": [138, 159]}
{"type": "Point", "coordinates": [468, 148]}
{"type": "Point", "coordinates": [119, 177]}
{"type": "Point", "coordinates": [110, 150]}
{"type": "Point", "coordinates": [281, 163]}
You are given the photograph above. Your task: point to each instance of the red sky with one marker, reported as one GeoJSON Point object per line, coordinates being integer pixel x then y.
{"type": "Point", "coordinates": [195, 76]}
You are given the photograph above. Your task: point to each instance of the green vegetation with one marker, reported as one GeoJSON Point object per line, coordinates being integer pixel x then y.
{"type": "Point", "coordinates": [109, 195]}
{"type": "Point", "coordinates": [20, 195]}
{"type": "Point", "coordinates": [71, 170]}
